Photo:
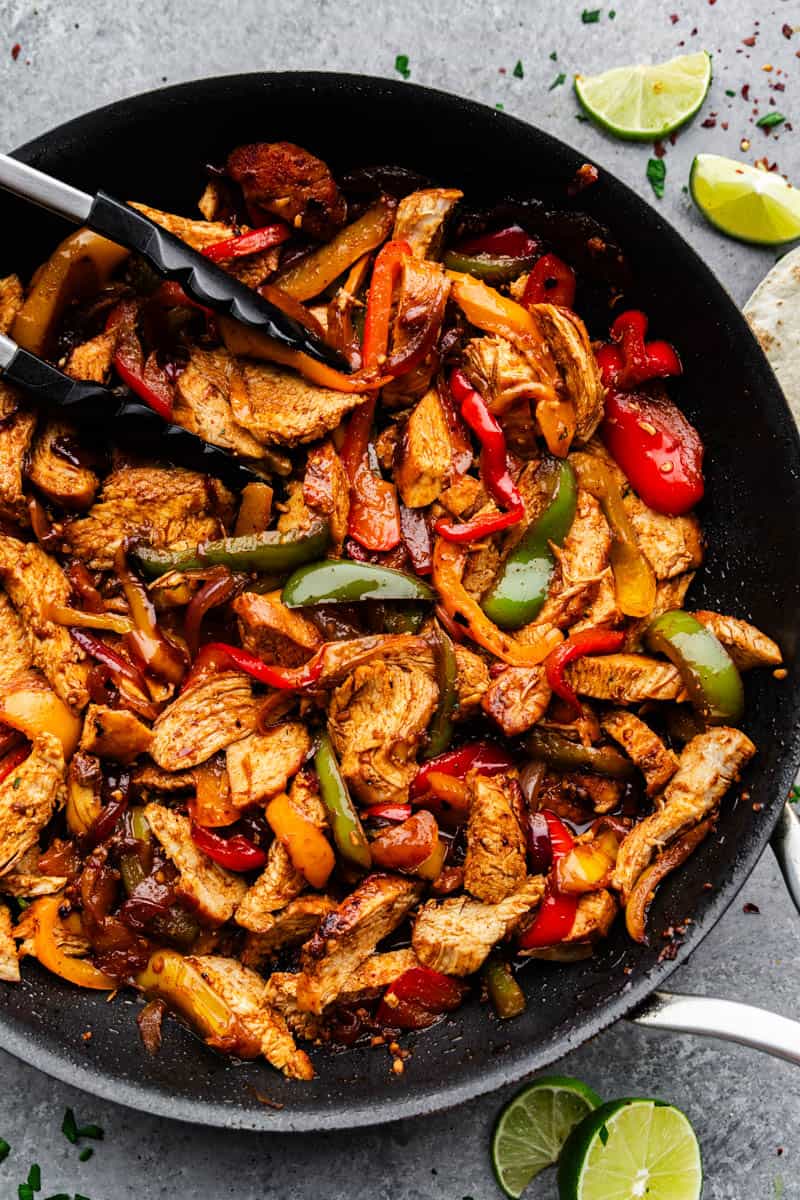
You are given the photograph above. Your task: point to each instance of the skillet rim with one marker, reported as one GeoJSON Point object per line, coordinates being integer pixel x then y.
{"type": "Point", "coordinates": [489, 1076]}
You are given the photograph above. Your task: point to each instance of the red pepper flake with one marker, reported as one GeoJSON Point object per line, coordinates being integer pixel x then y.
{"type": "Point", "coordinates": [724, 124]}
{"type": "Point", "coordinates": [502, 71]}
{"type": "Point", "coordinates": [778, 87]}
{"type": "Point", "coordinates": [15, 51]}
{"type": "Point", "coordinates": [674, 18]}
{"type": "Point", "coordinates": [694, 32]}
{"type": "Point", "coordinates": [750, 908]}
{"type": "Point", "coordinates": [673, 137]}
{"type": "Point", "coordinates": [787, 31]}
{"type": "Point", "coordinates": [750, 41]}
{"type": "Point", "coordinates": [745, 91]}
{"type": "Point", "coordinates": [585, 176]}
{"type": "Point", "coordinates": [710, 123]}
{"type": "Point", "coordinates": [658, 149]}
{"type": "Point", "coordinates": [712, 1]}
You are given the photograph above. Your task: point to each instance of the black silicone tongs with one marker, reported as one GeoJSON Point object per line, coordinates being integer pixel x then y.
{"type": "Point", "coordinates": [202, 279]}
{"type": "Point", "coordinates": [114, 413]}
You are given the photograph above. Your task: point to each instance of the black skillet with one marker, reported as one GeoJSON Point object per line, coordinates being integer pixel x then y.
{"type": "Point", "coordinates": [153, 148]}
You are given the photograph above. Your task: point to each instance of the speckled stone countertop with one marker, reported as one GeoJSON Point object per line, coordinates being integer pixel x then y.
{"type": "Point", "coordinates": [75, 56]}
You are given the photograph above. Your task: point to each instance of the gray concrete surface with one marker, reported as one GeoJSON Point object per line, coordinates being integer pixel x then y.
{"type": "Point", "coordinates": [74, 56]}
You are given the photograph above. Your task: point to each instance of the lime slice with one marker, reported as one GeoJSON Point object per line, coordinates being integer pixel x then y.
{"type": "Point", "coordinates": [629, 1149]}
{"type": "Point", "coordinates": [745, 202]}
{"type": "Point", "coordinates": [644, 102]}
{"type": "Point", "coordinates": [533, 1127]}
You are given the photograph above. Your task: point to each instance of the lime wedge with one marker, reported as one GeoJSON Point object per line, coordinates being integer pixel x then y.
{"type": "Point", "coordinates": [745, 202]}
{"type": "Point", "coordinates": [533, 1127]}
{"type": "Point", "coordinates": [629, 1149]}
{"type": "Point", "coordinates": [644, 102]}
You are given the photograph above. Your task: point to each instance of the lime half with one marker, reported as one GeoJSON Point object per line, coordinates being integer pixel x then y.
{"type": "Point", "coordinates": [533, 1127]}
{"type": "Point", "coordinates": [644, 102]}
{"type": "Point", "coordinates": [745, 202]}
{"type": "Point", "coordinates": [629, 1149]}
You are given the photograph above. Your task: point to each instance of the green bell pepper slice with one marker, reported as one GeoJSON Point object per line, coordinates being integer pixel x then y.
{"type": "Point", "coordinates": [559, 752]}
{"type": "Point", "coordinates": [348, 833]}
{"type": "Point", "coordinates": [272, 552]}
{"type": "Point", "coordinates": [491, 268]}
{"type": "Point", "coordinates": [708, 671]}
{"type": "Point", "coordinates": [440, 732]}
{"type": "Point", "coordinates": [519, 592]}
{"type": "Point", "coordinates": [340, 581]}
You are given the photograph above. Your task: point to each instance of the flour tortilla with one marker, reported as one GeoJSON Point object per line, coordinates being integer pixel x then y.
{"type": "Point", "coordinates": [773, 312]}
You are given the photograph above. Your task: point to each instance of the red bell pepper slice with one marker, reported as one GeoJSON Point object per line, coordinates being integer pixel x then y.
{"type": "Point", "coordinates": [556, 914]}
{"type": "Point", "coordinates": [387, 812]}
{"type": "Point", "coordinates": [216, 656]}
{"type": "Point", "coordinates": [374, 518]}
{"type": "Point", "coordinates": [416, 539]}
{"type": "Point", "coordinates": [119, 667]}
{"type": "Point", "coordinates": [248, 243]}
{"type": "Point", "coordinates": [511, 242]}
{"type": "Point", "coordinates": [551, 281]}
{"type": "Point", "coordinates": [13, 759]}
{"type": "Point", "coordinates": [145, 377]}
{"type": "Point", "coordinates": [477, 756]}
{"type": "Point", "coordinates": [590, 641]}
{"type": "Point", "coordinates": [170, 294]}
{"type": "Point", "coordinates": [628, 360]}
{"type": "Point", "coordinates": [236, 853]}
{"type": "Point", "coordinates": [494, 467]}
{"type": "Point", "coordinates": [418, 998]}
{"type": "Point", "coordinates": [658, 449]}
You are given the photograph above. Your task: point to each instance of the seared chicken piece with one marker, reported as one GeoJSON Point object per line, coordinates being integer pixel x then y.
{"type": "Point", "coordinates": [275, 633]}
{"type": "Point", "coordinates": [15, 653]}
{"type": "Point", "coordinates": [422, 461]}
{"type": "Point", "coordinates": [594, 917]}
{"type": "Point", "coordinates": [28, 798]}
{"type": "Point", "coordinates": [347, 936]}
{"type": "Point", "coordinates": [203, 401]}
{"type": "Point", "coordinates": [9, 956]}
{"type": "Point", "coordinates": [326, 489]}
{"type": "Point", "coordinates": [281, 995]}
{"type": "Point", "coordinates": [581, 561]}
{"type": "Point", "coordinates": [472, 680]}
{"type": "Point", "coordinates": [376, 973]}
{"type": "Point", "coordinates": [626, 678]}
{"type": "Point", "coordinates": [575, 795]}
{"type": "Point", "coordinates": [33, 580]}
{"type": "Point", "coordinates": [284, 180]}
{"type": "Point", "coordinates": [495, 864]}
{"type": "Point", "coordinates": [63, 482]}
{"type": "Point", "coordinates": [421, 220]}
{"type": "Point", "coordinates": [162, 506]}
{"type": "Point", "coordinates": [16, 433]}
{"type": "Point", "coordinates": [27, 881]}
{"type": "Point", "coordinates": [11, 298]}
{"type": "Point", "coordinates": [517, 698]}
{"type": "Point", "coordinates": [747, 646]}
{"type": "Point", "coordinates": [279, 883]}
{"type": "Point", "coordinates": [197, 234]}
{"type": "Point", "coordinates": [210, 716]}
{"type": "Point", "coordinates": [278, 406]}
{"type": "Point", "coordinates": [570, 346]}
{"type": "Point", "coordinates": [261, 765]}
{"type": "Point", "coordinates": [671, 544]}
{"type": "Point", "coordinates": [114, 733]}
{"type": "Point", "coordinates": [377, 719]}
{"type": "Point", "coordinates": [644, 747]}
{"type": "Point", "coordinates": [455, 936]}
{"type": "Point", "coordinates": [149, 778]}
{"type": "Point", "coordinates": [707, 767]}
{"type": "Point", "coordinates": [289, 927]}
{"type": "Point", "coordinates": [211, 891]}
{"type": "Point", "coordinates": [602, 608]}
{"type": "Point", "coordinates": [244, 992]}
{"type": "Point", "coordinates": [502, 374]}
{"type": "Point", "coordinates": [92, 360]}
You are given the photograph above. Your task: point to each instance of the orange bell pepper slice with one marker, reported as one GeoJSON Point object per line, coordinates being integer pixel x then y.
{"type": "Point", "coordinates": [308, 848]}
{"type": "Point", "coordinates": [49, 953]}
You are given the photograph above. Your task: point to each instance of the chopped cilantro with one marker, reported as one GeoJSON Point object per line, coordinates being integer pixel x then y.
{"type": "Point", "coordinates": [25, 1192]}
{"type": "Point", "coordinates": [401, 66]}
{"type": "Point", "coordinates": [69, 1128]}
{"type": "Point", "coordinates": [557, 82]}
{"type": "Point", "coordinates": [518, 72]}
{"type": "Point", "coordinates": [59, 1196]}
{"type": "Point", "coordinates": [770, 120]}
{"type": "Point", "coordinates": [16, 783]}
{"type": "Point", "coordinates": [35, 1177]}
{"type": "Point", "coordinates": [590, 16]}
{"type": "Point", "coordinates": [79, 1197]}
{"type": "Point", "coordinates": [730, 92]}
{"type": "Point", "coordinates": [553, 56]}
{"type": "Point", "coordinates": [794, 798]}
{"type": "Point", "coordinates": [5, 1150]}
{"type": "Point", "coordinates": [657, 173]}
{"type": "Point", "coordinates": [85, 1154]}
{"type": "Point", "coordinates": [91, 1131]}
{"type": "Point", "coordinates": [611, 14]}
{"type": "Point", "coordinates": [580, 117]}
{"type": "Point", "coordinates": [502, 107]}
